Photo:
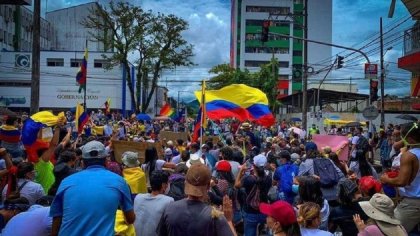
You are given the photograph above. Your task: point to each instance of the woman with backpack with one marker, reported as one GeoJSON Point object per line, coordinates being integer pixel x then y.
{"type": "Point", "coordinates": [324, 169]}
{"type": "Point", "coordinates": [256, 185]}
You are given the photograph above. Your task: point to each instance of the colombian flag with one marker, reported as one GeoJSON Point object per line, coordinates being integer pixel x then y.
{"type": "Point", "coordinates": [81, 118]}
{"type": "Point", "coordinates": [31, 128]}
{"type": "Point", "coordinates": [9, 134]}
{"type": "Point", "coordinates": [81, 76]}
{"type": "Point", "coordinates": [197, 126]}
{"type": "Point", "coordinates": [239, 101]}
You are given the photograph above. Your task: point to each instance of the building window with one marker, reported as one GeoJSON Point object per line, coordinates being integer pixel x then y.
{"type": "Point", "coordinates": [283, 77]}
{"type": "Point", "coordinates": [255, 63]}
{"type": "Point", "coordinates": [271, 10]}
{"type": "Point", "coordinates": [297, 53]}
{"type": "Point", "coordinates": [283, 64]}
{"type": "Point", "coordinates": [99, 63]}
{"type": "Point", "coordinates": [75, 62]}
{"type": "Point", "coordinates": [55, 61]}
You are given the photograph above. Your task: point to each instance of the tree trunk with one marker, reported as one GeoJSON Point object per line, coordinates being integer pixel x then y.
{"type": "Point", "coordinates": [154, 83]}
{"type": "Point", "coordinates": [129, 84]}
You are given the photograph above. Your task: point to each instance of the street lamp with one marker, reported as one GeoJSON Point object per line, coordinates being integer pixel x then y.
{"type": "Point", "coordinates": [177, 102]}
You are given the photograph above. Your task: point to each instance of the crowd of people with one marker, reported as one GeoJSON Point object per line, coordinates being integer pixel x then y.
{"type": "Point", "coordinates": [250, 180]}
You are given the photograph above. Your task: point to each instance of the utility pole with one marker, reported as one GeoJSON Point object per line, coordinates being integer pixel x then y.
{"type": "Point", "coordinates": [305, 74]}
{"type": "Point", "coordinates": [35, 80]}
{"type": "Point", "coordinates": [382, 76]}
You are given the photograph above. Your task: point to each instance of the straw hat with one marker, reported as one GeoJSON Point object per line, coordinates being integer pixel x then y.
{"type": "Point", "coordinates": [246, 125]}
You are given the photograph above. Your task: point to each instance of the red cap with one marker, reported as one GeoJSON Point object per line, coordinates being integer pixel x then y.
{"type": "Point", "coordinates": [281, 211]}
{"type": "Point", "coordinates": [223, 166]}
{"type": "Point", "coordinates": [366, 183]}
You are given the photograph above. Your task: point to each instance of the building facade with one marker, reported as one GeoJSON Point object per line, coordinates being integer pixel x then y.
{"type": "Point", "coordinates": [410, 61]}
{"type": "Point", "coordinates": [71, 35]}
{"type": "Point", "coordinates": [287, 19]}
{"type": "Point", "coordinates": [16, 30]}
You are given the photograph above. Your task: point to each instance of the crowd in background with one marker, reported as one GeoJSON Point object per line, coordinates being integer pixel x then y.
{"type": "Point", "coordinates": [246, 180]}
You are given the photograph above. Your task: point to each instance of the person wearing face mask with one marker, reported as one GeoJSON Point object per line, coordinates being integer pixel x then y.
{"type": "Point", "coordinates": [24, 185]}
{"type": "Point", "coordinates": [281, 218]}
{"type": "Point", "coordinates": [149, 207]}
{"type": "Point", "coordinates": [284, 175]}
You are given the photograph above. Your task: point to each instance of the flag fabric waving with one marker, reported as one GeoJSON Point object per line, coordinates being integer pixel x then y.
{"type": "Point", "coordinates": [167, 110]}
{"type": "Point", "coordinates": [197, 127]}
{"type": "Point", "coordinates": [31, 128]}
{"type": "Point", "coordinates": [81, 118]}
{"type": "Point", "coordinates": [81, 77]}
{"type": "Point", "coordinates": [239, 101]}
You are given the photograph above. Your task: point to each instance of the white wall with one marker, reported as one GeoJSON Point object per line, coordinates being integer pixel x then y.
{"type": "Point", "coordinates": [58, 86]}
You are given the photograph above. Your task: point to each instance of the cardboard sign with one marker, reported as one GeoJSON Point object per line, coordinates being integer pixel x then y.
{"type": "Point", "coordinates": [122, 146]}
{"type": "Point", "coordinates": [168, 135]}
{"type": "Point", "coordinates": [214, 139]}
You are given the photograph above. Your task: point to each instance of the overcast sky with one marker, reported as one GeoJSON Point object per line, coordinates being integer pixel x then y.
{"type": "Point", "coordinates": [354, 21]}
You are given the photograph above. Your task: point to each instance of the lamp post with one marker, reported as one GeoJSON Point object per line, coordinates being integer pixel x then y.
{"type": "Point", "coordinates": [383, 82]}
{"type": "Point", "coordinates": [177, 101]}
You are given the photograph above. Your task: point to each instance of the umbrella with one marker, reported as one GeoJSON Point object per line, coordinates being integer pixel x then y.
{"type": "Point", "coordinates": [353, 124]}
{"type": "Point", "coordinates": [296, 119]}
{"type": "Point", "coordinates": [298, 131]}
{"type": "Point", "coordinates": [142, 116]}
{"type": "Point", "coordinates": [407, 117]}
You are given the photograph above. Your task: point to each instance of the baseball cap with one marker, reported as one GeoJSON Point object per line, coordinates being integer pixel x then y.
{"type": "Point", "coordinates": [260, 160]}
{"type": "Point", "coordinates": [281, 211]}
{"type": "Point", "coordinates": [223, 166]}
{"type": "Point", "coordinates": [168, 152]}
{"type": "Point", "coordinates": [311, 146]}
{"type": "Point", "coordinates": [93, 149]}
{"type": "Point", "coordinates": [197, 180]}
{"type": "Point", "coordinates": [367, 183]}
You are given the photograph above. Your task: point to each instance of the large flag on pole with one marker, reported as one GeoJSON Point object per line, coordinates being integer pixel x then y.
{"type": "Point", "coordinates": [81, 76]}
{"type": "Point", "coordinates": [81, 118]}
{"type": "Point", "coordinates": [239, 101]}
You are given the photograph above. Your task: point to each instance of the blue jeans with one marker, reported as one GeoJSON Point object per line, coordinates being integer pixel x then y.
{"type": "Point", "coordinates": [251, 222]}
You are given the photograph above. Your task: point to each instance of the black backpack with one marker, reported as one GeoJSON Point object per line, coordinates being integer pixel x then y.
{"type": "Point", "coordinates": [325, 169]}
{"type": "Point", "coordinates": [362, 144]}
{"type": "Point", "coordinates": [176, 189]}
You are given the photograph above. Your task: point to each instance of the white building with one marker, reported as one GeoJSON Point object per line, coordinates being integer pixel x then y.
{"type": "Point", "coordinates": [71, 35]}
{"type": "Point", "coordinates": [58, 87]}
{"type": "Point", "coordinates": [16, 29]}
{"type": "Point", "coordinates": [287, 18]}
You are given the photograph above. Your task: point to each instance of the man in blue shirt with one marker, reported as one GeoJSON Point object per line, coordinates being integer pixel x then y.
{"type": "Point", "coordinates": [86, 202]}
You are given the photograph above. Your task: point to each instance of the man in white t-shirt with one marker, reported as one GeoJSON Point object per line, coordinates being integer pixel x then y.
{"type": "Point", "coordinates": [149, 207]}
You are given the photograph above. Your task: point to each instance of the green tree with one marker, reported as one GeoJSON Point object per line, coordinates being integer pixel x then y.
{"type": "Point", "coordinates": [153, 40]}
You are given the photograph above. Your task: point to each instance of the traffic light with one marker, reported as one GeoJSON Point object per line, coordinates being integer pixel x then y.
{"type": "Point", "coordinates": [340, 62]}
{"type": "Point", "coordinates": [264, 32]}
{"type": "Point", "coordinates": [373, 90]}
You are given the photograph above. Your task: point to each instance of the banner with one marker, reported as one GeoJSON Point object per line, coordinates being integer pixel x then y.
{"type": "Point", "coordinates": [122, 146]}
{"type": "Point", "coordinates": [168, 135]}
{"type": "Point", "coordinates": [338, 144]}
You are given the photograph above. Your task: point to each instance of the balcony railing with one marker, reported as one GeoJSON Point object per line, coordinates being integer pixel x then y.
{"type": "Point", "coordinates": [412, 40]}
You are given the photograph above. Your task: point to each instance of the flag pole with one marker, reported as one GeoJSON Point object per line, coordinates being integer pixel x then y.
{"type": "Point", "coordinates": [84, 93]}
{"type": "Point", "coordinates": [203, 104]}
